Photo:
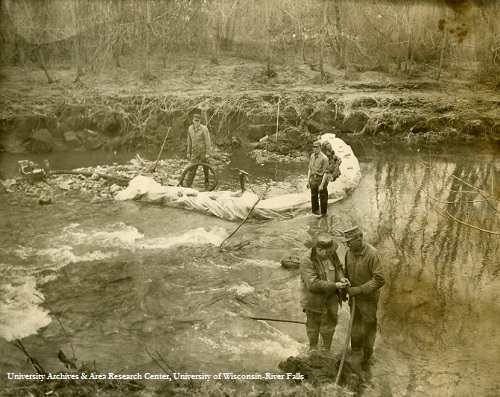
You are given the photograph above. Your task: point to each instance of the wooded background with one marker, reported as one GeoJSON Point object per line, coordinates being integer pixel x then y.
{"type": "Point", "coordinates": [389, 36]}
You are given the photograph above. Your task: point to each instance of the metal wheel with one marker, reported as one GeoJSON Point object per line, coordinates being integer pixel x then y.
{"type": "Point", "coordinates": [199, 179]}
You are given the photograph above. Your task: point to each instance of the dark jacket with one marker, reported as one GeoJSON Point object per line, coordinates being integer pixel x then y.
{"type": "Point", "coordinates": [364, 270]}
{"type": "Point", "coordinates": [318, 281]}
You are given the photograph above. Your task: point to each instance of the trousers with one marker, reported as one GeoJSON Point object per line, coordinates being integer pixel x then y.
{"type": "Point", "coordinates": [363, 334]}
{"type": "Point", "coordinates": [318, 199]}
{"type": "Point", "coordinates": [322, 323]}
{"type": "Point", "coordinates": [197, 158]}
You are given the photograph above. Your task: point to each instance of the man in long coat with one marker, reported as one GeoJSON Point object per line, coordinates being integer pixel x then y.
{"type": "Point", "coordinates": [322, 280]}
{"type": "Point", "coordinates": [363, 266]}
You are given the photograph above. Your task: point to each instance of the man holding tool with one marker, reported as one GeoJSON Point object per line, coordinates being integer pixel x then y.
{"type": "Point", "coordinates": [322, 284]}
{"type": "Point", "coordinates": [363, 266]}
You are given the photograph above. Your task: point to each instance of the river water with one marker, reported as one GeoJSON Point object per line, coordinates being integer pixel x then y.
{"type": "Point", "coordinates": [130, 280]}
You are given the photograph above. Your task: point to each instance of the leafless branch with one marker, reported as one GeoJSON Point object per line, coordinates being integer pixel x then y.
{"type": "Point", "coordinates": [467, 224]}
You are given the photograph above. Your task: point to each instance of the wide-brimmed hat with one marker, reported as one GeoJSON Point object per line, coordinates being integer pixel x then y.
{"type": "Point", "coordinates": [324, 240]}
{"type": "Point", "coordinates": [352, 234]}
{"type": "Point", "coordinates": [196, 116]}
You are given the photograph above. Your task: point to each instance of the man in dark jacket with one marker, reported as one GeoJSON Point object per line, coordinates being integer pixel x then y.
{"type": "Point", "coordinates": [363, 265]}
{"type": "Point", "coordinates": [322, 280]}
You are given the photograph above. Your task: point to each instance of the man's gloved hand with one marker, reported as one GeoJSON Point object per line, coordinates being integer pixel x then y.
{"type": "Point", "coordinates": [353, 291]}
{"type": "Point", "coordinates": [340, 285]}
{"type": "Point", "coordinates": [346, 280]}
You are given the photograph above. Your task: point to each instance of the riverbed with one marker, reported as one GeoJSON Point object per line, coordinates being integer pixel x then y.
{"type": "Point", "coordinates": [128, 279]}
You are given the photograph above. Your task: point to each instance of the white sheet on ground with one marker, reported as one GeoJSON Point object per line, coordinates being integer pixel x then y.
{"type": "Point", "coordinates": [235, 205]}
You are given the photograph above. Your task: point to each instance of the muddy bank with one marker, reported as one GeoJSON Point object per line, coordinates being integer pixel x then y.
{"type": "Point", "coordinates": [124, 123]}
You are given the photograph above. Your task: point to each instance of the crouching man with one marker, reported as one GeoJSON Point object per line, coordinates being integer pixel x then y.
{"type": "Point", "coordinates": [322, 280]}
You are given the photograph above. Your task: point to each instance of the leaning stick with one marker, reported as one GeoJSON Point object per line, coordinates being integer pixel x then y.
{"type": "Point", "coordinates": [241, 224]}
{"type": "Point", "coordinates": [246, 217]}
{"type": "Point", "coordinates": [159, 154]}
{"type": "Point", "coordinates": [346, 341]}
{"type": "Point", "coordinates": [279, 320]}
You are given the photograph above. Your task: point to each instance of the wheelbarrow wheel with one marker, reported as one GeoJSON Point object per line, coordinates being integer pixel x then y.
{"type": "Point", "coordinates": [213, 177]}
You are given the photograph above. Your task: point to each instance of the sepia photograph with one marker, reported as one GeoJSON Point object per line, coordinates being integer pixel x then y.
{"type": "Point", "coordinates": [256, 198]}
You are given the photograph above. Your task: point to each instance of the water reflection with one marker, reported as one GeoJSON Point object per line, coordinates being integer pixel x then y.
{"type": "Point", "coordinates": [439, 311]}
{"type": "Point", "coordinates": [443, 291]}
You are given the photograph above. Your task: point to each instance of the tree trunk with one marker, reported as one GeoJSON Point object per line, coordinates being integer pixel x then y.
{"type": "Point", "coordinates": [78, 57]}
{"type": "Point", "coordinates": [269, 71]}
{"type": "Point", "coordinates": [441, 56]}
{"type": "Point", "coordinates": [227, 40]}
{"type": "Point", "coordinates": [41, 63]}
{"type": "Point", "coordinates": [340, 38]}
{"type": "Point", "coordinates": [322, 44]}
{"type": "Point", "coordinates": [147, 71]}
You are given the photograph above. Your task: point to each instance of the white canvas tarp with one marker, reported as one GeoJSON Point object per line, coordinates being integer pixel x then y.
{"type": "Point", "coordinates": [236, 205]}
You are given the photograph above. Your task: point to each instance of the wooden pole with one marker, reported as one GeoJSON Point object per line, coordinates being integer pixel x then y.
{"type": "Point", "coordinates": [278, 118]}
{"type": "Point", "coordinates": [279, 320]}
{"type": "Point", "coordinates": [159, 154]}
{"type": "Point", "coordinates": [346, 341]}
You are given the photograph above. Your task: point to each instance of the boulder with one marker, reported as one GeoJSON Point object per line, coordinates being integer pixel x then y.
{"type": "Point", "coordinates": [41, 141]}
{"type": "Point", "coordinates": [113, 144]}
{"type": "Point", "coordinates": [71, 139]}
{"type": "Point", "coordinates": [257, 131]}
{"type": "Point", "coordinates": [45, 199]}
{"type": "Point", "coordinates": [355, 122]}
{"type": "Point", "coordinates": [91, 140]}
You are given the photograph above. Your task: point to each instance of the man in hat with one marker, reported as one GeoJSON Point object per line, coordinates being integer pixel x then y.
{"type": "Point", "coordinates": [198, 148]}
{"type": "Point", "coordinates": [363, 266]}
{"type": "Point", "coordinates": [317, 180]}
{"type": "Point", "coordinates": [322, 280]}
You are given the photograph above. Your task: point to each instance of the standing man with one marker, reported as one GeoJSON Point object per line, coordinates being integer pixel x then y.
{"type": "Point", "coordinates": [363, 265]}
{"type": "Point", "coordinates": [322, 280]}
{"type": "Point", "coordinates": [317, 180]}
{"type": "Point", "coordinates": [198, 149]}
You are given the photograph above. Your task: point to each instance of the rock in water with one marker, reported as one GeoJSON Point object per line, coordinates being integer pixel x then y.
{"type": "Point", "coordinates": [321, 367]}
{"type": "Point", "coordinates": [291, 261]}
{"type": "Point", "coordinates": [45, 198]}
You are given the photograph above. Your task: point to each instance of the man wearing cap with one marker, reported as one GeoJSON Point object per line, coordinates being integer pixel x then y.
{"type": "Point", "coordinates": [198, 148]}
{"type": "Point", "coordinates": [334, 161]}
{"type": "Point", "coordinates": [322, 281]}
{"type": "Point", "coordinates": [363, 265]}
{"type": "Point", "coordinates": [317, 180]}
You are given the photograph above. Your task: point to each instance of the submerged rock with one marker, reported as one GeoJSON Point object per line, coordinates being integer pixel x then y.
{"type": "Point", "coordinates": [323, 367]}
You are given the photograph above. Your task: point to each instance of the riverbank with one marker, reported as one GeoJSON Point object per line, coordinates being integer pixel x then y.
{"type": "Point", "coordinates": [116, 110]}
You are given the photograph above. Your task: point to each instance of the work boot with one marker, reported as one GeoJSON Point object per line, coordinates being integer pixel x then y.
{"type": "Point", "coordinates": [313, 340]}
{"type": "Point", "coordinates": [366, 365]}
{"type": "Point", "coordinates": [327, 342]}
{"type": "Point", "coordinates": [367, 353]}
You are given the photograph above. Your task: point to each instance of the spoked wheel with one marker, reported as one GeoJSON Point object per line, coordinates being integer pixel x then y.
{"type": "Point", "coordinates": [199, 178]}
